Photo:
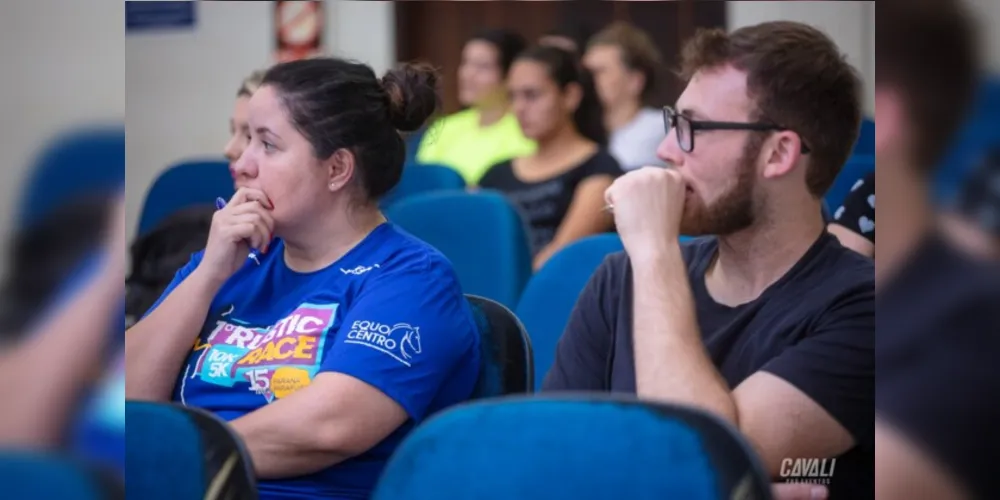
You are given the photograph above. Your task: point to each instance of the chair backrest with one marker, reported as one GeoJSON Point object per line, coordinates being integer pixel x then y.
{"type": "Point", "coordinates": [179, 453]}
{"type": "Point", "coordinates": [586, 446]}
{"type": "Point", "coordinates": [972, 143]}
{"type": "Point", "coordinates": [32, 475]}
{"type": "Point", "coordinates": [855, 169]}
{"type": "Point", "coordinates": [183, 186]}
{"type": "Point", "coordinates": [866, 140]}
{"type": "Point", "coordinates": [506, 366]}
{"type": "Point", "coordinates": [77, 164]}
{"type": "Point", "coordinates": [419, 178]}
{"type": "Point", "coordinates": [550, 296]}
{"type": "Point", "coordinates": [480, 233]}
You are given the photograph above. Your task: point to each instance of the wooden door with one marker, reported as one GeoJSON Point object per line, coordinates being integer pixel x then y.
{"type": "Point", "coordinates": [435, 31]}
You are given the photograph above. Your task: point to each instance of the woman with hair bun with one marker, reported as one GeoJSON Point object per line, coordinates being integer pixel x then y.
{"type": "Point", "coordinates": [322, 332]}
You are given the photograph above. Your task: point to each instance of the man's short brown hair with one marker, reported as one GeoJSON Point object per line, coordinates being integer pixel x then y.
{"type": "Point", "coordinates": [638, 51]}
{"type": "Point", "coordinates": [928, 53]}
{"type": "Point", "coordinates": [798, 79]}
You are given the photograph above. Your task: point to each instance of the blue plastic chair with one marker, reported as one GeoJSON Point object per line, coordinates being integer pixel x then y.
{"type": "Point", "coordinates": [419, 179]}
{"type": "Point", "coordinates": [33, 475]}
{"type": "Point", "coordinates": [480, 233]}
{"type": "Point", "coordinates": [972, 143]}
{"type": "Point", "coordinates": [506, 366]}
{"type": "Point", "coordinates": [77, 164]}
{"type": "Point", "coordinates": [866, 141]}
{"type": "Point", "coordinates": [581, 446]}
{"type": "Point", "coordinates": [183, 186]}
{"type": "Point", "coordinates": [179, 453]}
{"type": "Point", "coordinates": [550, 296]}
{"type": "Point", "coordinates": [856, 168]}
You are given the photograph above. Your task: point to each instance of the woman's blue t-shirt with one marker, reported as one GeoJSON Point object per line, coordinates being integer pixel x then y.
{"type": "Point", "coordinates": [390, 313]}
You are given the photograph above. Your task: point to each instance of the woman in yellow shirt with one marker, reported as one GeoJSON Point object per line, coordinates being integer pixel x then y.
{"type": "Point", "coordinates": [486, 133]}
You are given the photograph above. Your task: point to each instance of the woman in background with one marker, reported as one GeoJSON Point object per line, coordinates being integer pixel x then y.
{"type": "Point", "coordinates": [560, 188]}
{"type": "Point", "coordinates": [854, 222]}
{"type": "Point", "coordinates": [343, 332]}
{"type": "Point", "coordinates": [239, 129]}
{"type": "Point", "coordinates": [472, 140]}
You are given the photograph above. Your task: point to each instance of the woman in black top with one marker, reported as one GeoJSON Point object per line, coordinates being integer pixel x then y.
{"type": "Point", "coordinates": [559, 189]}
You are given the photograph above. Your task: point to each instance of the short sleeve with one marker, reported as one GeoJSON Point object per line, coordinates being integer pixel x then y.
{"type": "Point", "coordinates": [603, 164]}
{"type": "Point", "coordinates": [835, 366]}
{"type": "Point", "coordinates": [858, 212]}
{"type": "Point", "coordinates": [405, 334]}
{"type": "Point", "coordinates": [495, 176]}
{"type": "Point", "coordinates": [583, 351]}
{"type": "Point", "coordinates": [179, 278]}
{"type": "Point", "coordinates": [946, 401]}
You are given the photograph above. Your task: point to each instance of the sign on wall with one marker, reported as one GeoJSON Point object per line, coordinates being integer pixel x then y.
{"type": "Point", "coordinates": [159, 16]}
{"type": "Point", "coordinates": [298, 29]}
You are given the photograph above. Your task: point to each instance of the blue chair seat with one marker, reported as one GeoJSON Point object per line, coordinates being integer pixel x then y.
{"type": "Point", "coordinates": [551, 295]}
{"type": "Point", "coordinates": [183, 186]}
{"type": "Point", "coordinates": [586, 446]}
{"type": "Point", "coordinates": [418, 179]}
{"type": "Point", "coordinates": [481, 233]}
{"type": "Point", "coordinates": [77, 164]}
{"type": "Point", "coordinates": [175, 452]}
{"type": "Point", "coordinates": [506, 366]}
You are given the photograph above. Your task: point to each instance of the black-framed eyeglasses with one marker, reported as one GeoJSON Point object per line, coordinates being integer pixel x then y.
{"type": "Point", "coordinates": [686, 127]}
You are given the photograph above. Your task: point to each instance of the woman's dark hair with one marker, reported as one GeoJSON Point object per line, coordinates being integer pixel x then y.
{"type": "Point", "coordinates": [44, 255]}
{"type": "Point", "coordinates": [565, 68]}
{"type": "Point", "coordinates": [338, 104]}
{"type": "Point", "coordinates": [508, 44]}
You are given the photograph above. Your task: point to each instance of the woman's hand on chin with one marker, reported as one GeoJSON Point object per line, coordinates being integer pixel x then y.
{"type": "Point", "coordinates": [245, 223]}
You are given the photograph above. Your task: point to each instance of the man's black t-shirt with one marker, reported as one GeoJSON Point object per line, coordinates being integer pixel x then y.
{"type": "Point", "coordinates": [544, 204]}
{"type": "Point", "coordinates": [938, 352]}
{"type": "Point", "coordinates": [814, 328]}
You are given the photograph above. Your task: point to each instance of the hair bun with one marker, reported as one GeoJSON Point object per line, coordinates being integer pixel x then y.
{"type": "Point", "coordinates": [412, 91]}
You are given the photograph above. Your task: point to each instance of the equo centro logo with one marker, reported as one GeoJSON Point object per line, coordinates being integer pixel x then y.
{"type": "Point", "coordinates": [401, 341]}
{"type": "Point", "coordinates": [808, 470]}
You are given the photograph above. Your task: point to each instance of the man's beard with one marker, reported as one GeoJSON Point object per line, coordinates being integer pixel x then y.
{"type": "Point", "coordinates": [734, 211]}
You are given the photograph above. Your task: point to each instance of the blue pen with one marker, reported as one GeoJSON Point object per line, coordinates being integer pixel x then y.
{"type": "Point", "coordinates": [220, 203]}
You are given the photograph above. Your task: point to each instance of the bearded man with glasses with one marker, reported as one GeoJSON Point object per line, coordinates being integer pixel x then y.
{"type": "Point", "coordinates": [767, 321]}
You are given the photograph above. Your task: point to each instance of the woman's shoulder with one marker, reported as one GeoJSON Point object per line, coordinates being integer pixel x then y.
{"type": "Point", "coordinates": [410, 256]}
{"type": "Point", "coordinates": [498, 175]}
{"type": "Point", "coordinates": [601, 162]}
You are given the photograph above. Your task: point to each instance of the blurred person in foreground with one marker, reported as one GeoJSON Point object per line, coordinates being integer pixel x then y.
{"type": "Point", "coordinates": [54, 365]}
{"type": "Point", "coordinates": [559, 190]}
{"type": "Point", "coordinates": [625, 62]}
{"type": "Point", "coordinates": [340, 333]}
{"type": "Point", "coordinates": [770, 325]}
{"type": "Point", "coordinates": [44, 255]}
{"type": "Point", "coordinates": [975, 222]}
{"type": "Point", "coordinates": [936, 411]}
{"type": "Point", "coordinates": [854, 222]}
{"type": "Point", "coordinates": [486, 132]}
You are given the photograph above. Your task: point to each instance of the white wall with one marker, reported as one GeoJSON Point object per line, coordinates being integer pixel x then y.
{"type": "Point", "coordinates": [850, 24]}
{"type": "Point", "coordinates": [62, 67]}
{"type": "Point", "coordinates": [181, 85]}
{"type": "Point", "coordinates": [988, 13]}
{"type": "Point", "coordinates": [870, 52]}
